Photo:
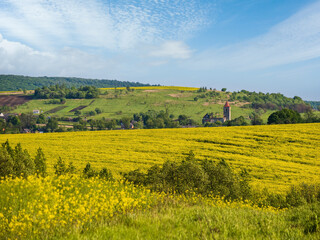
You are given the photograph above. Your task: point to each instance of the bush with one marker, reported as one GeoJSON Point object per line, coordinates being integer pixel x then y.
{"type": "Point", "coordinates": [61, 167]}
{"type": "Point", "coordinates": [106, 175]}
{"type": "Point", "coordinates": [88, 172]}
{"type": "Point", "coordinates": [204, 178]}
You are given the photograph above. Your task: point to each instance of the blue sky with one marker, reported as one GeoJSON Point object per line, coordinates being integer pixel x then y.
{"type": "Point", "coordinates": [265, 45]}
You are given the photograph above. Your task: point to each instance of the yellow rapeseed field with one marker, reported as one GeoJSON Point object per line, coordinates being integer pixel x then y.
{"type": "Point", "coordinates": [52, 207]}
{"type": "Point", "coordinates": [276, 156]}
{"type": "Point", "coordinates": [40, 207]}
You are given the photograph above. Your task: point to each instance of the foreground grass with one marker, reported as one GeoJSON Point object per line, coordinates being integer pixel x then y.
{"type": "Point", "coordinates": [201, 222]}
{"type": "Point", "coordinates": [70, 207]}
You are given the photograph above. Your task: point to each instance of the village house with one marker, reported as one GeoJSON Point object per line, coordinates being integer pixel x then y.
{"type": "Point", "coordinates": [210, 118]}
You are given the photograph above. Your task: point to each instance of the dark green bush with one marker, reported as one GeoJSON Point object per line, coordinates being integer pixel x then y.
{"type": "Point", "coordinates": [206, 177]}
{"type": "Point", "coordinates": [61, 167]}
{"type": "Point", "coordinates": [106, 175]}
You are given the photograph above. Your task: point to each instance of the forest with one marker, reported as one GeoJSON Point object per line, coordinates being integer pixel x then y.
{"type": "Point", "coordinates": [16, 82]}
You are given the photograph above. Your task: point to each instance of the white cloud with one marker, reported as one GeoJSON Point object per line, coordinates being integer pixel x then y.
{"type": "Point", "coordinates": [296, 39]}
{"type": "Point", "coordinates": [21, 59]}
{"type": "Point", "coordinates": [95, 38]}
{"type": "Point", "coordinates": [112, 25]}
{"type": "Point", "coordinates": [172, 49]}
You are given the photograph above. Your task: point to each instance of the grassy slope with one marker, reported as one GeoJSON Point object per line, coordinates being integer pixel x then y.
{"type": "Point", "coordinates": [142, 100]}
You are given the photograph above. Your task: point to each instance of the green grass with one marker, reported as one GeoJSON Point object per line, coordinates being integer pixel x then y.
{"type": "Point", "coordinates": [126, 104]}
{"type": "Point", "coordinates": [201, 222]}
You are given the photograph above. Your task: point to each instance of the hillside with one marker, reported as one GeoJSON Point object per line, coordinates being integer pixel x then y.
{"type": "Point", "coordinates": [15, 82]}
{"type": "Point", "coordinates": [276, 156]}
{"type": "Point", "coordinates": [192, 102]}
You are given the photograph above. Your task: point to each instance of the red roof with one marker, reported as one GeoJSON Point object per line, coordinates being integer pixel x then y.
{"type": "Point", "coordinates": [227, 104]}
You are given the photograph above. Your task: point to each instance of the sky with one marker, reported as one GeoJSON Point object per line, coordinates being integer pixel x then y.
{"type": "Point", "coordinates": [262, 46]}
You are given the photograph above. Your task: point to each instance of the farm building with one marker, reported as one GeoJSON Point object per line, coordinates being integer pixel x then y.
{"type": "Point", "coordinates": [210, 118]}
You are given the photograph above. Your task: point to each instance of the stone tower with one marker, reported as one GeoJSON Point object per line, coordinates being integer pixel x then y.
{"type": "Point", "coordinates": [227, 111]}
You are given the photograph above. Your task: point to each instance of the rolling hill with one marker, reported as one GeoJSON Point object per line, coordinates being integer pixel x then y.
{"type": "Point", "coordinates": [116, 103]}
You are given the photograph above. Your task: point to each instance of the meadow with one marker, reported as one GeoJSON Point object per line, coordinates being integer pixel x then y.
{"type": "Point", "coordinates": [276, 156]}
{"type": "Point", "coordinates": [118, 103]}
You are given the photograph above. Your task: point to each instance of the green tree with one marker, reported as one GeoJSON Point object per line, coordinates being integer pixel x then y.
{"type": "Point", "coordinates": [14, 120]}
{"type": "Point", "coordinates": [285, 116]}
{"type": "Point", "coordinates": [27, 120]}
{"type": "Point", "coordinates": [40, 163]}
{"type": "Point", "coordinates": [6, 162]}
{"type": "Point", "coordinates": [23, 163]}
{"type": "Point", "coordinates": [256, 119]}
{"type": "Point", "coordinates": [41, 119]}
{"type": "Point", "coordinates": [310, 117]}
{"type": "Point", "coordinates": [52, 124]}
{"type": "Point", "coordinates": [126, 122]}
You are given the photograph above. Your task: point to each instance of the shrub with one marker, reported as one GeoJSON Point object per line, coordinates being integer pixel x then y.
{"type": "Point", "coordinates": [106, 175]}
{"type": "Point", "coordinates": [88, 172]}
{"type": "Point", "coordinates": [205, 178]}
{"type": "Point", "coordinates": [61, 167]}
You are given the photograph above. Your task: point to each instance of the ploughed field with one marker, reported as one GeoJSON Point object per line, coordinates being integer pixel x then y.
{"type": "Point", "coordinates": [13, 100]}
{"type": "Point", "coordinates": [275, 156]}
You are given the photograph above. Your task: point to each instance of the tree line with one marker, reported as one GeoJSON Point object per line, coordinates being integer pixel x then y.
{"type": "Point", "coordinates": [15, 82]}
{"type": "Point", "coordinates": [147, 120]}
{"type": "Point", "coordinates": [63, 92]}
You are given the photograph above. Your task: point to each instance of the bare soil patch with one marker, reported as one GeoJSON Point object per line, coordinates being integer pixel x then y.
{"type": "Point", "coordinates": [78, 108]}
{"type": "Point", "coordinates": [151, 90]}
{"type": "Point", "coordinates": [13, 100]}
{"type": "Point", "coordinates": [179, 95]}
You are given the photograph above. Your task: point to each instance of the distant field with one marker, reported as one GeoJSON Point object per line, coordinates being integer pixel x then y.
{"type": "Point", "coordinates": [13, 100]}
{"type": "Point", "coordinates": [276, 156]}
{"type": "Point", "coordinates": [116, 104]}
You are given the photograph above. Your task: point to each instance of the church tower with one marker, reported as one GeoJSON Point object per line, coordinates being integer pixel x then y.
{"type": "Point", "coordinates": [227, 111]}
